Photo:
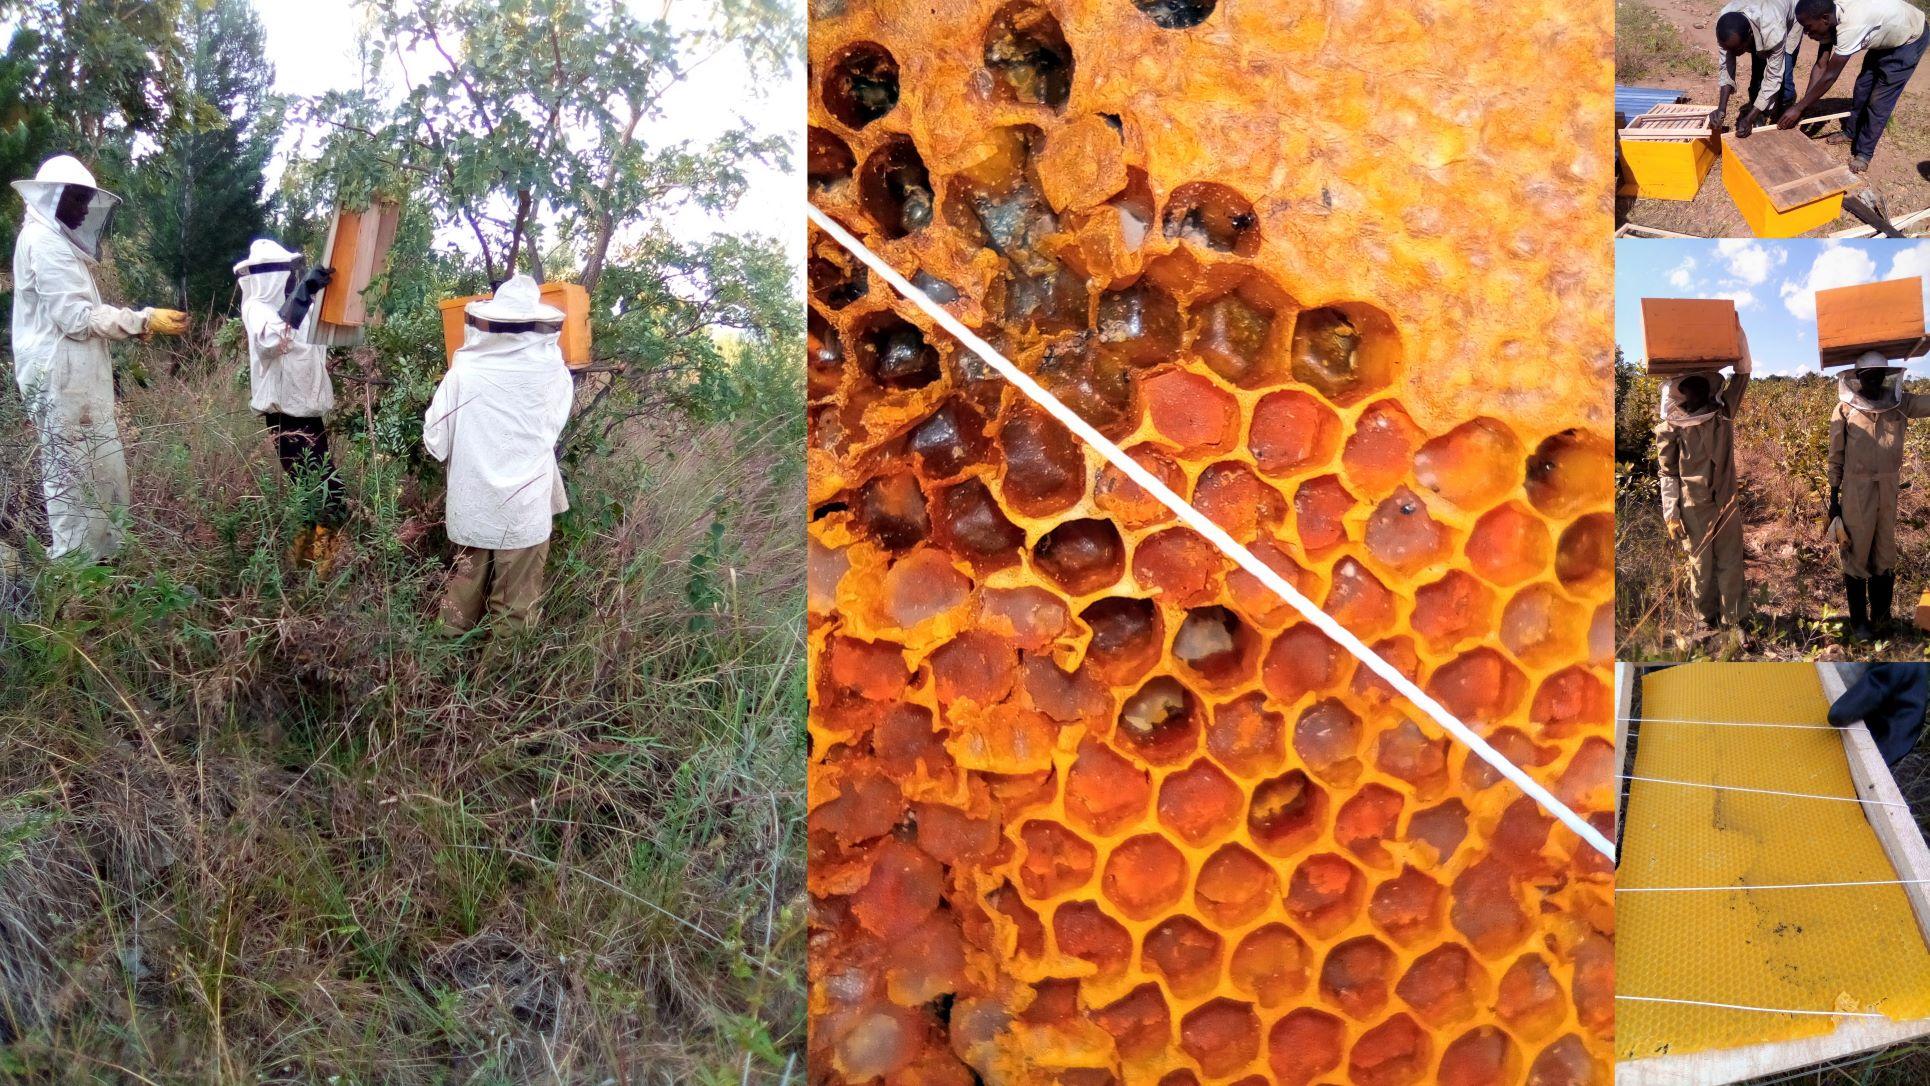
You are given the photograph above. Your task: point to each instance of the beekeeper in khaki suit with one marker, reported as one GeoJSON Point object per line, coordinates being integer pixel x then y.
{"type": "Point", "coordinates": [1695, 446]}
{"type": "Point", "coordinates": [495, 420]}
{"type": "Point", "coordinates": [1865, 457]}
{"type": "Point", "coordinates": [60, 360]}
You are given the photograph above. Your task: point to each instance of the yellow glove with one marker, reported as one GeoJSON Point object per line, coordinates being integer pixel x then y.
{"type": "Point", "coordinates": [1676, 531]}
{"type": "Point", "coordinates": [166, 322]}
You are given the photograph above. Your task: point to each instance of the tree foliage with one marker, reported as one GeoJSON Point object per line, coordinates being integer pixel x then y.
{"type": "Point", "coordinates": [199, 197]}
{"type": "Point", "coordinates": [523, 128]}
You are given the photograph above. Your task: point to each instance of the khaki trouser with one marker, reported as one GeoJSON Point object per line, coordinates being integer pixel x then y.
{"type": "Point", "coordinates": [1698, 470]}
{"type": "Point", "coordinates": [1866, 462]}
{"type": "Point", "coordinates": [505, 584]}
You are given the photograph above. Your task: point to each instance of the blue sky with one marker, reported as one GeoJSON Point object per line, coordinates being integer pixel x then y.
{"type": "Point", "coordinates": [1773, 284]}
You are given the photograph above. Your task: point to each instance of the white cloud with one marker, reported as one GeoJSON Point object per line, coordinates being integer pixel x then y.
{"type": "Point", "coordinates": [1683, 275]}
{"type": "Point", "coordinates": [1743, 298]}
{"type": "Point", "coordinates": [1838, 266]}
{"type": "Point", "coordinates": [1913, 260]}
{"type": "Point", "coordinates": [1750, 263]}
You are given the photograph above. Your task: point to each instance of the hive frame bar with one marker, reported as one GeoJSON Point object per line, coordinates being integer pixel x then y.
{"type": "Point", "coordinates": [1216, 535]}
{"type": "Point", "coordinates": [1904, 846]}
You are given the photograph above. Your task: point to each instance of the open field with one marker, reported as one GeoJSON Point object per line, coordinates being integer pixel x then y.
{"type": "Point", "coordinates": [1795, 587]}
{"type": "Point", "coordinates": [258, 825]}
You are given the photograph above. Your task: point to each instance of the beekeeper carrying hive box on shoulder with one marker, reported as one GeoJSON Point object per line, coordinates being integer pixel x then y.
{"type": "Point", "coordinates": [1866, 432]}
{"type": "Point", "coordinates": [495, 421]}
{"type": "Point", "coordinates": [1695, 447]}
{"type": "Point", "coordinates": [60, 360]}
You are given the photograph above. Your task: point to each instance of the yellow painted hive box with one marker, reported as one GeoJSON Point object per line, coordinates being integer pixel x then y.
{"type": "Point", "coordinates": [1666, 169]}
{"type": "Point", "coordinates": [1761, 214]}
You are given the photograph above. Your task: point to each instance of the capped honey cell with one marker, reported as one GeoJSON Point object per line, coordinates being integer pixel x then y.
{"type": "Point", "coordinates": [1089, 803]}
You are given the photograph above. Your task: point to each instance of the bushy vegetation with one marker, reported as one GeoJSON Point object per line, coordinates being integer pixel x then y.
{"type": "Point", "coordinates": [261, 822]}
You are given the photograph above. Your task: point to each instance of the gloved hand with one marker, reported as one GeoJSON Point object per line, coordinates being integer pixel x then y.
{"type": "Point", "coordinates": [1835, 506]}
{"type": "Point", "coordinates": [295, 310]}
{"type": "Point", "coordinates": [166, 322]}
{"type": "Point", "coordinates": [1676, 531]}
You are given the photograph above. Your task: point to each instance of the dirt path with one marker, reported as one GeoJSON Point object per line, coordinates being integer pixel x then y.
{"type": "Point", "coordinates": [1900, 171]}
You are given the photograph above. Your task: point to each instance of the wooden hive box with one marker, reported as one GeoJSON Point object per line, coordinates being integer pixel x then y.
{"type": "Point", "coordinates": [1783, 182]}
{"type": "Point", "coordinates": [1684, 335]}
{"type": "Point", "coordinates": [358, 249]}
{"type": "Point", "coordinates": [1885, 316]}
{"type": "Point", "coordinates": [1667, 152]}
{"type": "Point", "coordinates": [571, 298]}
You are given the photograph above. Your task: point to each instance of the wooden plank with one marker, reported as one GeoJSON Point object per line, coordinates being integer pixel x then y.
{"type": "Point", "coordinates": [1869, 316]}
{"type": "Point", "coordinates": [1791, 168]}
{"type": "Point", "coordinates": [1726, 1065]}
{"type": "Point", "coordinates": [1625, 680]}
{"type": "Point", "coordinates": [1702, 331]}
{"type": "Point", "coordinates": [1911, 219]}
{"type": "Point", "coordinates": [1895, 827]}
{"type": "Point", "coordinates": [1851, 1036]}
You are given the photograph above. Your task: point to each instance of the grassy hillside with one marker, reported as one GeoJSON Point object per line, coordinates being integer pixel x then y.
{"type": "Point", "coordinates": [258, 825]}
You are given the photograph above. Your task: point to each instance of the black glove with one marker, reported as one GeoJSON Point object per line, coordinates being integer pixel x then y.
{"type": "Point", "coordinates": [1835, 505]}
{"type": "Point", "coordinates": [295, 310]}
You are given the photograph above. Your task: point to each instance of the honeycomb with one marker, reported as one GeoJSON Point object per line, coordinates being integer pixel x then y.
{"type": "Point", "coordinates": [1852, 949]}
{"type": "Point", "coordinates": [1088, 804]}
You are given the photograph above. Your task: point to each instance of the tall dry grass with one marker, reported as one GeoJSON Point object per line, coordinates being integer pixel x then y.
{"type": "Point", "coordinates": [259, 825]}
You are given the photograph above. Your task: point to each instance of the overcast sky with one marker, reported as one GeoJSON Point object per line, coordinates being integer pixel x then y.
{"type": "Point", "coordinates": [312, 47]}
{"type": "Point", "coordinates": [1773, 284]}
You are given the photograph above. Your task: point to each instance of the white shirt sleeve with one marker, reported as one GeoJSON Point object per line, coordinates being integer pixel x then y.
{"type": "Point", "coordinates": [439, 422]}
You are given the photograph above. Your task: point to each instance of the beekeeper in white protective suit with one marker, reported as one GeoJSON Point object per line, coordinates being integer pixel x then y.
{"type": "Point", "coordinates": [495, 420]}
{"type": "Point", "coordinates": [288, 377]}
{"type": "Point", "coordinates": [60, 359]}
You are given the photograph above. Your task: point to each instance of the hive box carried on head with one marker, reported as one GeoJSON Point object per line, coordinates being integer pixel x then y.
{"type": "Point", "coordinates": [1686, 335]}
{"type": "Point", "coordinates": [571, 298]}
{"type": "Point", "coordinates": [358, 249]}
{"type": "Point", "coordinates": [1783, 182]}
{"type": "Point", "coordinates": [1667, 151]}
{"type": "Point", "coordinates": [1886, 317]}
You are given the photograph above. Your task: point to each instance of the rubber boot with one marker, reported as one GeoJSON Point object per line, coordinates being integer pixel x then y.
{"type": "Point", "coordinates": [1882, 593]}
{"type": "Point", "coordinates": [1858, 589]}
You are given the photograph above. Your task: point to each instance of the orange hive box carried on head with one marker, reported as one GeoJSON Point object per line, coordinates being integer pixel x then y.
{"type": "Point", "coordinates": [1087, 803]}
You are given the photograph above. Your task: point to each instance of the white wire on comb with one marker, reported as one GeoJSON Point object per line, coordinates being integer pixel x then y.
{"type": "Point", "coordinates": [1214, 534]}
{"type": "Point", "coordinates": [1745, 1007]}
{"type": "Point", "coordinates": [1768, 886]}
{"type": "Point", "coordinates": [1764, 791]}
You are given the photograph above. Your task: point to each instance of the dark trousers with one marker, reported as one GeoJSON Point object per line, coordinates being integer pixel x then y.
{"type": "Point", "coordinates": [301, 445]}
{"type": "Point", "coordinates": [1878, 85]}
{"type": "Point", "coordinates": [1759, 61]}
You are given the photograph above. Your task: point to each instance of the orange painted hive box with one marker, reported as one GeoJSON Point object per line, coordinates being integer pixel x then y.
{"type": "Point", "coordinates": [571, 298]}
{"type": "Point", "coordinates": [1886, 317]}
{"type": "Point", "coordinates": [1686, 334]}
{"type": "Point", "coordinates": [1088, 805]}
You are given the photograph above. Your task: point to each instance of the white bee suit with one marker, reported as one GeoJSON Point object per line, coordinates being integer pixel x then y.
{"type": "Point", "coordinates": [496, 417]}
{"type": "Point", "coordinates": [60, 361]}
{"type": "Point", "coordinates": [286, 374]}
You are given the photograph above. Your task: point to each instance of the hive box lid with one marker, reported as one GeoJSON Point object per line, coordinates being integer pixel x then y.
{"type": "Point", "coordinates": [1691, 333]}
{"type": "Point", "coordinates": [1885, 316]}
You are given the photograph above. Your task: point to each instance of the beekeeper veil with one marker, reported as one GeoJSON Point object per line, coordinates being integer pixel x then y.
{"type": "Point", "coordinates": [63, 196]}
{"type": "Point", "coordinates": [270, 273]}
{"type": "Point", "coordinates": [1873, 384]}
{"type": "Point", "coordinates": [514, 324]}
{"type": "Point", "coordinates": [1691, 398]}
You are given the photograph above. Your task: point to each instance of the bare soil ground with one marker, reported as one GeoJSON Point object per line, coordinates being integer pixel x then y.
{"type": "Point", "coordinates": [1671, 43]}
